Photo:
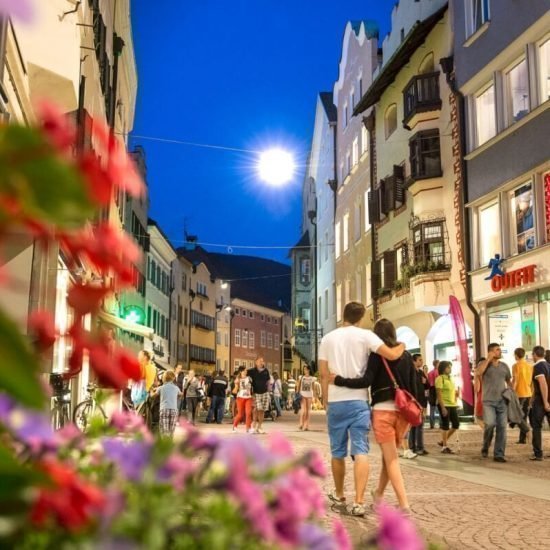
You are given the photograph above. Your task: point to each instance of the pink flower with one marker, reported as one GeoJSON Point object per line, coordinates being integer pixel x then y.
{"type": "Point", "coordinates": [279, 445]}
{"type": "Point", "coordinates": [396, 530]}
{"type": "Point", "coordinates": [341, 536]}
{"type": "Point", "coordinates": [69, 435]}
{"type": "Point", "coordinates": [59, 129]}
{"type": "Point", "coordinates": [316, 464]}
{"type": "Point", "coordinates": [177, 470]}
{"type": "Point", "coordinates": [22, 9]}
{"type": "Point", "coordinates": [42, 328]}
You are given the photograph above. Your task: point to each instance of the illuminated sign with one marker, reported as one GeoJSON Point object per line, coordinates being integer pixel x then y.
{"type": "Point", "coordinates": [512, 279]}
{"type": "Point", "coordinates": [547, 204]}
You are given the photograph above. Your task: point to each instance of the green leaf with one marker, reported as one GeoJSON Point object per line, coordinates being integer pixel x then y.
{"type": "Point", "coordinates": [19, 368]}
{"type": "Point", "coordinates": [48, 187]}
{"type": "Point", "coordinates": [15, 477]}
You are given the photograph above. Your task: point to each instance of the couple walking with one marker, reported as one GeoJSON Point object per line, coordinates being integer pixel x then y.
{"type": "Point", "coordinates": [351, 359]}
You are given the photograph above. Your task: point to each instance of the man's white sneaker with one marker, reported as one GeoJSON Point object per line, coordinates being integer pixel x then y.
{"type": "Point", "coordinates": [409, 454]}
{"type": "Point", "coordinates": [251, 431]}
{"type": "Point", "coordinates": [357, 510]}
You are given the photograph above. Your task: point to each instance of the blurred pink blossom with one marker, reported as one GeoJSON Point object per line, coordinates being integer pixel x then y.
{"type": "Point", "coordinates": [21, 9]}
{"type": "Point", "coordinates": [341, 536]}
{"type": "Point", "coordinates": [396, 530]}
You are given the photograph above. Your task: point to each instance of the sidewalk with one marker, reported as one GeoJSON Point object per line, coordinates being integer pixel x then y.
{"type": "Point", "coordinates": [458, 501]}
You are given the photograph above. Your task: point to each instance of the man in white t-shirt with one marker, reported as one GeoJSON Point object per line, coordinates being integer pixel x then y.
{"type": "Point", "coordinates": [345, 351]}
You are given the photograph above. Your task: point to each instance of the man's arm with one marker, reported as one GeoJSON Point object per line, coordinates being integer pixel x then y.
{"type": "Point", "coordinates": [482, 367]}
{"type": "Point", "coordinates": [391, 354]}
{"type": "Point", "coordinates": [541, 379]}
{"type": "Point", "coordinates": [324, 373]}
{"type": "Point", "coordinates": [514, 376]}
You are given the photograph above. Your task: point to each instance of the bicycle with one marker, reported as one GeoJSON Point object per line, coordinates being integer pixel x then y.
{"type": "Point", "coordinates": [61, 410]}
{"type": "Point", "coordinates": [88, 410]}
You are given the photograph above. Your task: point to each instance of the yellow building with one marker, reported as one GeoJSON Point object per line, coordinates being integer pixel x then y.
{"type": "Point", "coordinates": [415, 201]}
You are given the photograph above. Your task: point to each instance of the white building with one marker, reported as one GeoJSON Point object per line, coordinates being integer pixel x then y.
{"type": "Point", "coordinates": [158, 296]}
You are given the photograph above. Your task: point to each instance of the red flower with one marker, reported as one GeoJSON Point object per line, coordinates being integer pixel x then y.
{"type": "Point", "coordinates": [69, 501]}
{"type": "Point", "coordinates": [100, 185]}
{"type": "Point", "coordinates": [57, 126]}
{"type": "Point", "coordinates": [128, 364]}
{"type": "Point", "coordinates": [106, 369]}
{"type": "Point", "coordinates": [42, 328]}
{"type": "Point", "coordinates": [86, 298]}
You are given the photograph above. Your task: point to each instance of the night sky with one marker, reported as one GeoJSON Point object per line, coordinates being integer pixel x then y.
{"type": "Point", "coordinates": [242, 74]}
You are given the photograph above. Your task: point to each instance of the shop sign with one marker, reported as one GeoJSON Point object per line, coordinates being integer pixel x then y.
{"type": "Point", "coordinates": [512, 279]}
{"type": "Point", "coordinates": [547, 204]}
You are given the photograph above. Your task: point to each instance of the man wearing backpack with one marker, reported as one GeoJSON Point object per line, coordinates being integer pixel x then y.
{"type": "Point", "coordinates": [540, 407]}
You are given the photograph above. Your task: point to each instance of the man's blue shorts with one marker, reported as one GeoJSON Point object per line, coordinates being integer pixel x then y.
{"type": "Point", "coordinates": [348, 419]}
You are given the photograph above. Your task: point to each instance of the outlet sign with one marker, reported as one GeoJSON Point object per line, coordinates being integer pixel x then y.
{"type": "Point", "coordinates": [512, 279]}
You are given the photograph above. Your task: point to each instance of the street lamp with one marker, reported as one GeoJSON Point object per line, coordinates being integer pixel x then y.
{"type": "Point", "coordinates": [276, 166]}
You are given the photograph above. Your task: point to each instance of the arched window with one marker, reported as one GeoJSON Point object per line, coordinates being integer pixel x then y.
{"type": "Point", "coordinates": [427, 65]}
{"type": "Point", "coordinates": [390, 120]}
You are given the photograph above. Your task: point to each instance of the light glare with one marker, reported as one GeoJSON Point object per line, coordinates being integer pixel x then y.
{"type": "Point", "coordinates": [276, 166]}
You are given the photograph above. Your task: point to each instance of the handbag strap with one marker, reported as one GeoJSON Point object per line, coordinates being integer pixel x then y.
{"type": "Point", "coordinates": [390, 374]}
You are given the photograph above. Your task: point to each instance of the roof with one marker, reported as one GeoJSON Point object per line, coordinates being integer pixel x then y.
{"type": "Point", "coordinates": [327, 99]}
{"type": "Point", "coordinates": [256, 280]}
{"type": "Point", "coordinates": [152, 222]}
{"type": "Point", "coordinates": [304, 242]}
{"type": "Point", "coordinates": [371, 27]}
{"type": "Point", "coordinates": [416, 37]}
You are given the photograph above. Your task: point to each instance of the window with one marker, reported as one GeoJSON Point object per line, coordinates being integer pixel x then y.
{"type": "Point", "coordinates": [262, 317]}
{"type": "Point", "coordinates": [489, 232]}
{"type": "Point", "coordinates": [236, 364]}
{"type": "Point", "coordinates": [522, 224]}
{"type": "Point", "coordinates": [427, 65]}
{"type": "Point", "coordinates": [421, 95]}
{"type": "Point", "coordinates": [243, 312]}
{"type": "Point", "coordinates": [201, 289]}
{"type": "Point", "coordinates": [219, 338]}
{"type": "Point", "coordinates": [262, 339]}
{"type": "Point", "coordinates": [320, 310]}
{"type": "Point", "coordinates": [544, 70]}
{"type": "Point", "coordinates": [326, 304]}
{"type": "Point", "coordinates": [337, 240]}
{"type": "Point", "coordinates": [368, 284]}
{"type": "Point", "coordinates": [345, 115]}
{"type": "Point", "coordinates": [347, 291]}
{"type": "Point", "coordinates": [251, 340]}
{"type": "Point", "coordinates": [355, 151]}
{"type": "Point", "coordinates": [425, 155]}
{"type": "Point", "coordinates": [319, 254]}
{"type": "Point", "coordinates": [244, 341]}
{"type": "Point", "coordinates": [305, 271]}
{"type": "Point", "coordinates": [429, 244]}
{"type": "Point", "coordinates": [342, 175]}
{"type": "Point", "coordinates": [346, 232]}
{"type": "Point", "coordinates": [237, 337]}
{"type": "Point", "coordinates": [390, 120]}
{"type": "Point", "coordinates": [276, 341]}
{"type": "Point", "coordinates": [348, 163]}
{"type": "Point", "coordinates": [237, 311]}
{"type": "Point", "coordinates": [226, 339]}
{"type": "Point", "coordinates": [338, 302]}
{"type": "Point", "coordinates": [358, 287]}
{"type": "Point", "coordinates": [326, 246]}
{"type": "Point", "coordinates": [360, 87]}
{"type": "Point", "coordinates": [357, 222]}
{"type": "Point", "coordinates": [364, 140]}
{"type": "Point", "coordinates": [485, 121]}
{"type": "Point", "coordinates": [516, 92]}
{"type": "Point", "coordinates": [352, 99]}
{"type": "Point", "coordinates": [184, 282]}
{"type": "Point", "coordinates": [153, 272]}
{"type": "Point", "coordinates": [269, 340]}
{"type": "Point", "coordinates": [390, 269]}
{"type": "Point", "coordinates": [366, 208]}
{"type": "Point", "coordinates": [251, 315]}
{"type": "Point", "coordinates": [477, 14]}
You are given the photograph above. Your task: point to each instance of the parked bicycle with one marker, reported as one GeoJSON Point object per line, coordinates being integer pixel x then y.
{"type": "Point", "coordinates": [88, 410]}
{"type": "Point", "coordinates": [61, 396]}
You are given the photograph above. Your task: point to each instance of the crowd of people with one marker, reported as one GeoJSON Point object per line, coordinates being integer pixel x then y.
{"type": "Point", "coordinates": [352, 360]}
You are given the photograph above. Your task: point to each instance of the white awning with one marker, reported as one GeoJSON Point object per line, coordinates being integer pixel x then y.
{"type": "Point", "coordinates": [140, 330]}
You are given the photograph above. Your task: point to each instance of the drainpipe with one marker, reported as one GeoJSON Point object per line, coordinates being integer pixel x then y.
{"type": "Point", "coordinates": [447, 64]}
{"type": "Point", "coordinates": [118, 46]}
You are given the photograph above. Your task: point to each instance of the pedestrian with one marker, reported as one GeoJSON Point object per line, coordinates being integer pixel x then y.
{"type": "Point", "coordinates": [233, 395]}
{"type": "Point", "coordinates": [305, 389]}
{"type": "Point", "coordinates": [284, 394]}
{"type": "Point", "coordinates": [217, 392]}
{"type": "Point", "coordinates": [180, 378]}
{"type": "Point", "coordinates": [148, 369]}
{"type": "Point", "coordinates": [243, 390]}
{"type": "Point", "coordinates": [169, 393]}
{"type": "Point", "coordinates": [192, 396]}
{"type": "Point", "coordinates": [432, 375]}
{"type": "Point", "coordinates": [277, 393]}
{"type": "Point", "coordinates": [522, 377]}
{"type": "Point", "coordinates": [495, 376]}
{"type": "Point", "coordinates": [291, 391]}
{"type": "Point", "coordinates": [388, 425]}
{"type": "Point", "coordinates": [344, 352]}
{"type": "Point", "coordinates": [478, 396]}
{"type": "Point", "coordinates": [540, 407]}
{"type": "Point", "coordinates": [260, 381]}
{"type": "Point", "coordinates": [416, 433]}
{"type": "Point", "coordinates": [447, 395]}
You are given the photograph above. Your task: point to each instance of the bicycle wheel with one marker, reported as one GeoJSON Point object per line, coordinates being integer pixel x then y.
{"type": "Point", "coordinates": [82, 415]}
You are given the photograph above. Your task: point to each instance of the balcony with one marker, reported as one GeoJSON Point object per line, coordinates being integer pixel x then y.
{"type": "Point", "coordinates": [421, 99]}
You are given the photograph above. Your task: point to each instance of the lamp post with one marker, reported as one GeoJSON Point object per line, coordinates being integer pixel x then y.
{"type": "Point", "coordinates": [312, 214]}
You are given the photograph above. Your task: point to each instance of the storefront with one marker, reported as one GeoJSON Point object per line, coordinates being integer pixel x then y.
{"type": "Point", "coordinates": [515, 305]}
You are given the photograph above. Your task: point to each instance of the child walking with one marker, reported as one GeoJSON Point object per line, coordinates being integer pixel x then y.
{"type": "Point", "coordinates": [169, 394]}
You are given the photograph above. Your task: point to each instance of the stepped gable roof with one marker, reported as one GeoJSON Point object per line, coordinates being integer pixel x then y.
{"type": "Point", "coordinates": [257, 280]}
{"type": "Point", "coordinates": [327, 99]}
{"type": "Point", "coordinates": [416, 37]}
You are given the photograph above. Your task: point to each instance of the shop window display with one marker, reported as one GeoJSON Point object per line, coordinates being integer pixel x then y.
{"type": "Point", "coordinates": [522, 210]}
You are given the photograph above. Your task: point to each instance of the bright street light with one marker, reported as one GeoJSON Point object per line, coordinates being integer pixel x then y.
{"type": "Point", "coordinates": [276, 166]}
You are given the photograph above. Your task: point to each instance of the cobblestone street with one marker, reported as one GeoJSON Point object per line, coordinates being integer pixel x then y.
{"type": "Point", "coordinates": [458, 502]}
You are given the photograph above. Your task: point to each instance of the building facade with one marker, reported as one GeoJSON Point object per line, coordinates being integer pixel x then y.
{"type": "Point", "coordinates": [256, 331]}
{"type": "Point", "coordinates": [352, 237]}
{"type": "Point", "coordinates": [415, 200]}
{"type": "Point", "coordinates": [322, 170]}
{"type": "Point", "coordinates": [159, 292]}
{"type": "Point", "coordinates": [502, 59]}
